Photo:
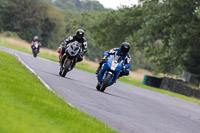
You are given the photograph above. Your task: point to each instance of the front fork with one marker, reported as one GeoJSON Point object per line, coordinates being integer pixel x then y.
{"type": "Point", "coordinates": [65, 58]}
{"type": "Point", "coordinates": [102, 74]}
{"type": "Point", "coordinates": [111, 80]}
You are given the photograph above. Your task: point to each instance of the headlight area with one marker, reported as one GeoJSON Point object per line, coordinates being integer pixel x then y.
{"type": "Point", "coordinates": [114, 66]}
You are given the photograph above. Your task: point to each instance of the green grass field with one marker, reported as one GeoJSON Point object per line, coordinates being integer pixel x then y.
{"type": "Point", "coordinates": [26, 106]}
{"type": "Point", "coordinates": [128, 80]}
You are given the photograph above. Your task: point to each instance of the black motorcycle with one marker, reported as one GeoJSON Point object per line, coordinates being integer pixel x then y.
{"type": "Point", "coordinates": [69, 58]}
{"type": "Point", "coordinates": [35, 49]}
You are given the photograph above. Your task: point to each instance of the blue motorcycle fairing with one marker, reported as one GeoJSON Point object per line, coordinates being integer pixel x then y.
{"type": "Point", "coordinates": [119, 67]}
{"type": "Point", "coordinates": [106, 68]}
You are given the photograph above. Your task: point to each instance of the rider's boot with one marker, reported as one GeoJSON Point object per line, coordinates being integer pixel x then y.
{"type": "Point", "coordinates": [100, 65]}
{"type": "Point", "coordinates": [98, 69]}
{"type": "Point", "coordinates": [60, 59]}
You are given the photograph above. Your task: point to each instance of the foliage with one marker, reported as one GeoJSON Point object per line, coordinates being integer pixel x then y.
{"type": "Point", "coordinates": [53, 27]}
{"type": "Point", "coordinates": [29, 18]}
{"type": "Point", "coordinates": [192, 62]}
{"type": "Point", "coordinates": [165, 32]}
{"type": "Point", "coordinates": [10, 34]}
{"type": "Point", "coordinates": [78, 5]}
{"type": "Point", "coordinates": [176, 25]}
{"type": "Point", "coordinates": [16, 18]}
{"type": "Point", "coordinates": [112, 28]}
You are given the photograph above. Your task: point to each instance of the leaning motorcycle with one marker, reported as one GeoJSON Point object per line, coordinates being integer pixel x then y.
{"type": "Point", "coordinates": [35, 49]}
{"type": "Point", "coordinates": [69, 58]}
{"type": "Point", "coordinates": [109, 72]}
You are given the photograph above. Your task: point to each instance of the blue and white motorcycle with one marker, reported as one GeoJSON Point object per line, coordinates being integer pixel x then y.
{"type": "Point", "coordinates": [109, 72]}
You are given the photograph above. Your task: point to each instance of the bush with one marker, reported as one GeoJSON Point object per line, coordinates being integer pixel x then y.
{"type": "Point", "coordinates": [10, 34]}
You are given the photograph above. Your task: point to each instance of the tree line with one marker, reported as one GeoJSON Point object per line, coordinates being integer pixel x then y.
{"type": "Point", "coordinates": [164, 37]}
{"type": "Point", "coordinates": [77, 5]}
{"type": "Point", "coordinates": [166, 33]}
{"type": "Point", "coordinates": [30, 18]}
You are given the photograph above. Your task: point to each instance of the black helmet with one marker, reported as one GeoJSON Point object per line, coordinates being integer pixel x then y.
{"type": "Point", "coordinates": [125, 46]}
{"type": "Point", "coordinates": [80, 34]}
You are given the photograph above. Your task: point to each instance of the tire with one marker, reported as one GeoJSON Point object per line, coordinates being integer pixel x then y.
{"type": "Point", "coordinates": [60, 73]}
{"type": "Point", "coordinates": [105, 82]}
{"type": "Point", "coordinates": [35, 53]}
{"type": "Point", "coordinates": [66, 68]}
{"type": "Point", "coordinates": [98, 87]}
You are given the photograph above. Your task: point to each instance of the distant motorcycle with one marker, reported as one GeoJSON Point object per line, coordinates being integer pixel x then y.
{"type": "Point", "coordinates": [109, 72]}
{"type": "Point", "coordinates": [35, 49]}
{"type": "Point", "coordinates": [69, 58]}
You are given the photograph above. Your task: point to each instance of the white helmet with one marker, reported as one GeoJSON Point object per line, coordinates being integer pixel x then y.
{"type": "Point", "coordinates": [36, 38]}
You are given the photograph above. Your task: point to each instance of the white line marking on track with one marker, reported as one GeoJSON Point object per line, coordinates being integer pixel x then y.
{"type": "Point", "coordinates": [31, 70]}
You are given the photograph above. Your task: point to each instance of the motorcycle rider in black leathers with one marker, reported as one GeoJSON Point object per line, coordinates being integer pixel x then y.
{"type": "Point", "coordinates": [79, 36]}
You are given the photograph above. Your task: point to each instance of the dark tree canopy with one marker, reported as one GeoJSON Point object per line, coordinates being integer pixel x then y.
{"type": "Point", "coordinates": [29, 18]}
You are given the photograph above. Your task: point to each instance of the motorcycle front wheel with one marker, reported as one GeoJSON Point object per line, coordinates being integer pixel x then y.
{"type": "Point", "coordinates": [67, 65]}
{"type": "Point", "coordinates": [105, 82]}
{"type": "Point", "coordinates": [35, 53]}
{"type": "Point", "coordinates": [98, 87]}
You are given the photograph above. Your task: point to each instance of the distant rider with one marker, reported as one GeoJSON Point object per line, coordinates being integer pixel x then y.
{"type": "Point", "coordinates": [79, 37]}
{"type": "Point", "coordinates": [35, 39]}
{"type": "Point", "coordinates": [123, 51]}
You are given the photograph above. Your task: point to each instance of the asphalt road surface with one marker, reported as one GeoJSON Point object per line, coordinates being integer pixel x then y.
{"type": "Point", "coordinates": [125, 108]}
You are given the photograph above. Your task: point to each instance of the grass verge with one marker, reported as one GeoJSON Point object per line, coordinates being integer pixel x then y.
{"type": "Point", "coordinates": [86, 67]}
{"type": "Point", "coordinates": [27, 106]}
{"type": "Point", "coordinates": [81, 65]}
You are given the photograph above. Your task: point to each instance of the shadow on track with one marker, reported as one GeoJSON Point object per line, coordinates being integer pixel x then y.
{"type": "Point", "coordinates": [112, 94]}
{"type": "Point", "coordinates": [61, 77]}
{"type": "Point", "coordinates": [117, 96]}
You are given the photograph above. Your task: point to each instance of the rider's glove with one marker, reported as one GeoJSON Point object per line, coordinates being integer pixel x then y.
{"type": "Point", "coordinates": [104, 59]}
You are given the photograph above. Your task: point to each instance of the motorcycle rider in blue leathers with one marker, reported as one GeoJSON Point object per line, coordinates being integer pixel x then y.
{"type": "Point", "coordinates": [123, 51]}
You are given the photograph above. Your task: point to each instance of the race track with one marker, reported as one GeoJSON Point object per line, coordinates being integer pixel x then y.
{"type": "Point", "coordinates": [125, 108]}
